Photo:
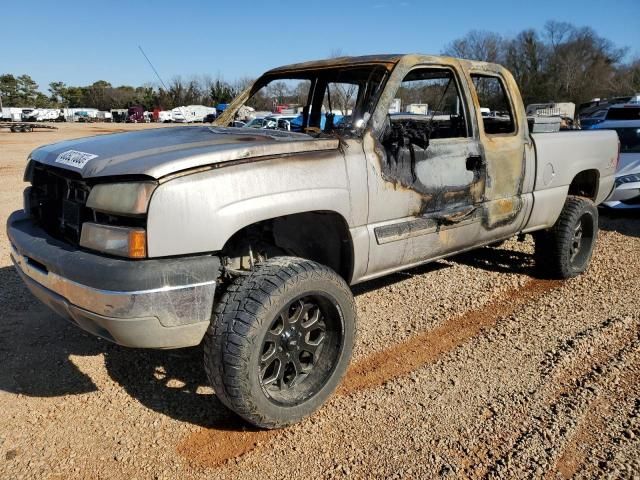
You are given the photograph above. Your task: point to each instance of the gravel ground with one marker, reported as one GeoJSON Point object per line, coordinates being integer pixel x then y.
{"type": "Point", "coordinates": [465, 368]}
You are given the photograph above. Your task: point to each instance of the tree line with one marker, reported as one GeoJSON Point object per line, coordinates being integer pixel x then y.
{"type": "Point", "coordinates": [561, 62]}
{"type": "Point", "coordinates": [22, 91]}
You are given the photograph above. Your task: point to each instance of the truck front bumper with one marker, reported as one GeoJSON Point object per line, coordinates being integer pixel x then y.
{"type": "Point", "coordinates": [155, 303]}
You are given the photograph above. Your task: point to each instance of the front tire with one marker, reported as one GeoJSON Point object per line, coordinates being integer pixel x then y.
{"type": "Point", "coordinates": [565, 250]}
{"type": "Point", "coordinates": [280, 341]}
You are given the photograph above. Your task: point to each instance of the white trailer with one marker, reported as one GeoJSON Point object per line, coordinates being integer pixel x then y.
{"type": "Point", "coordinates": [191, 113]}
{"type": "Point", "coordinates": [12, 114]}
{"type": "Point", "coordinates": [165, 116]}
{"type": "Point", "coordinates": [104, 116]}
{"type": "Point", "coordinates": [42, 115]}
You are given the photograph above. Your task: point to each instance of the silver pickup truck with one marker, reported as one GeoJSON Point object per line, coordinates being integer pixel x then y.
{"type": "Point", "coordinates": [247, 240]}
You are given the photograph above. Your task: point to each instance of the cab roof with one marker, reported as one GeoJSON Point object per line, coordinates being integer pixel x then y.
{"type": "Point", "coordinates": [388, 60]}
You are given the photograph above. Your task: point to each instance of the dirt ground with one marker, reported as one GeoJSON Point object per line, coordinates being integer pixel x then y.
{"type": "Point", "coordinates": [469, 367]}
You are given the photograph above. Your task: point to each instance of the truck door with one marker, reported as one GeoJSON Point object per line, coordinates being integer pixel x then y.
{"type": "Point", "coordinates": [426, 171]}
{"type": "Point", "coordinates": [504, 139]}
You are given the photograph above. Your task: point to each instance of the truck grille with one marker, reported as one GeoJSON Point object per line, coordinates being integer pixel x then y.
{"type": "Point", "coordinates": [57, 201]}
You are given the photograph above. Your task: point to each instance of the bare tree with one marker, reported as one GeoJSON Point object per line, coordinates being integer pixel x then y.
{"type": "Point", "coordinates": [278, 91]}
{"type": "Point", "coordinates": [478, 45]}
{"type": "Point", "coordinates": [564, 63]}
{"type": "Point", "coordinates": [343, 97]}
{"type": "Point", "coordinates": [557, 32]}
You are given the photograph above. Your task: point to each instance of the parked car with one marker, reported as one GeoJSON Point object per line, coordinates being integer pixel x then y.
{"type": "Point", "coordinates": [619, 111]}
{"type": "Point", "coordinates": [630, 111]}
{"type": "Point", "coordinates": [278, 122]}
{"type": "Point", "coordinates": [296, 123]}
{"type": "Point", "coordinates": [256, 122]}
{"type": "Point", "coordinates": [235, 123]}
{"type": "Point", "coordinates": [626, 193]}
{"type": "Point", "coordinates": [138, 237]}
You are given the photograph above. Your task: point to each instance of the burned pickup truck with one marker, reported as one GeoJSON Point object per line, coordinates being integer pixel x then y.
{"type": "Point", "coordinates": [247, 240]}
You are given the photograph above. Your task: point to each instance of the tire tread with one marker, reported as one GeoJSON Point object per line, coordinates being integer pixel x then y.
{"type": "Point", "coordinates": [236, 319]}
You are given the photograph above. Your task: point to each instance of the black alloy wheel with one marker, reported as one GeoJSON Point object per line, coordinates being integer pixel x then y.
{"type": "Point", "coordinates": [300, 349]}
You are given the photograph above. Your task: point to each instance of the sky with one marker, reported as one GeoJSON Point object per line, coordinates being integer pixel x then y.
{"type": "Point", "coordinates": [79, 42]}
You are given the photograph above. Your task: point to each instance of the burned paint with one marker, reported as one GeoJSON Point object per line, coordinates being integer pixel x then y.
{"type": "Point", "coordinates": [423, 171]}
{"type": "Point", "coordinates": [502, 212]}
{"type": "Point", "coordinates": [500, 172]}
{"type": "Point", "coordinates": [436, 172]}
{"type": "Point", "coordinates": [388, 60]}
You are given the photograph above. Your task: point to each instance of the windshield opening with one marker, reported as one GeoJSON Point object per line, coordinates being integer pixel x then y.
{"type": "Point", "coordinates": [333, 101]}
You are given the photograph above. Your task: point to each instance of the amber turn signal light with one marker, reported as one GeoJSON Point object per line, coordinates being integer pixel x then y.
{"type": "Point", "coordinates": [137, 244]}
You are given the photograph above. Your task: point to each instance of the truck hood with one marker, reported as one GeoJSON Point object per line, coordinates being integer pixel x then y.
{"type": "Point", "coordinates": [163, 151]}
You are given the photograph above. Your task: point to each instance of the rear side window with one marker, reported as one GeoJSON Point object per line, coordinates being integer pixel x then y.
{"type": "Point", "coordinates": [624, 113]}
{"type": "Point", "coordinates": [493, 96]}
{"type": "Point", "coordinates": [629, 139]}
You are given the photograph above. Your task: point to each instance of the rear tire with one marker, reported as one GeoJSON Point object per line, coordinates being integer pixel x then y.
{"type": "Point", "coordinates": [565, 250]}
{"type": "Point", "coordinates": [280, 341]}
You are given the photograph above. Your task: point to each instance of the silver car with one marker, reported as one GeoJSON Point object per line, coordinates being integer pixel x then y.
{"type": "Point", "coordinates": [626, 193]}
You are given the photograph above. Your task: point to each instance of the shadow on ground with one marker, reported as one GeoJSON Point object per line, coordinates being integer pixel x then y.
{"type": "Point", "coordinates": [398, 277]}
{"type": "Point", "coordinates": [499, 259]}
{"type": "Point", "coordinates": [626, 222]}
{"type": "Point", "coordinates": [36, 346]}
{"type": "Point", "coordinates": [37, 349]}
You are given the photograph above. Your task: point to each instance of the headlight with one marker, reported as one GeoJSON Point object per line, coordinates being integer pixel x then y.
{"type": "Point", "coordinates": [122, 241]}
{"type": "Point", "coordinates": [127, 198]}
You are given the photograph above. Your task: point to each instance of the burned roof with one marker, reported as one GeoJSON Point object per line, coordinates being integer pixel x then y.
{"type": "Point", "coordinates": [387, 59]}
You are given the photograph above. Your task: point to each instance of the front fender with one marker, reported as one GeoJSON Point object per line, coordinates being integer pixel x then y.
{"type": "Point", "coordinates": [199, 212]}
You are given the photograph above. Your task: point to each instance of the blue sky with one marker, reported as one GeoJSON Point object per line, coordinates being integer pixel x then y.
{"type": "Point", "coordinates": [79, 42]}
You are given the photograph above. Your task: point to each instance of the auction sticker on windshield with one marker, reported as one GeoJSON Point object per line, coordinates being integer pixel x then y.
{"type": "Point", "coordinates": [74, 158]}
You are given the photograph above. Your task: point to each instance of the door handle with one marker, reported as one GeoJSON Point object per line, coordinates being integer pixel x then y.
{"type": "Point", "coordinates": [474, 163]}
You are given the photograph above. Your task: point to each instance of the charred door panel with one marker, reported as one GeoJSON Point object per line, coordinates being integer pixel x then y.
{"type": "Point", "coordinates": [504, 136]}
{"type": "Point", "coordinates": [427, 173]}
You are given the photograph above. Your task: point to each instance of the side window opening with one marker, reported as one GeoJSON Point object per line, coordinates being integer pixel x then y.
{"type": "Point", "coordinates": [427, 106]}
{"type": "Point", "coordinates": [429, 99]}
{"type": "Point", "coordinates": [497, 116]}
{"type": "Point", "coordinates": [338, 104]}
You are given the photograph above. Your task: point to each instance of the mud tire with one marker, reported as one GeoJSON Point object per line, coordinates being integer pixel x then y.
{"type": "Point", "coordinates": [559, 252]}
{"type": "Point", "coordinates": [242, 319]}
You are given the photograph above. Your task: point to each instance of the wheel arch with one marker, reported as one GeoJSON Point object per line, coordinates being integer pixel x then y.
{"type": "Point", "coordinates": [322, 236]}
{"type": "Point", "coordinates": [585, 184]}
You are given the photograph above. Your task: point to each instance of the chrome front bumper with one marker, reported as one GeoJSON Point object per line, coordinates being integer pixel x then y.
{"type": "Point", "coordinates": [170, 309]}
